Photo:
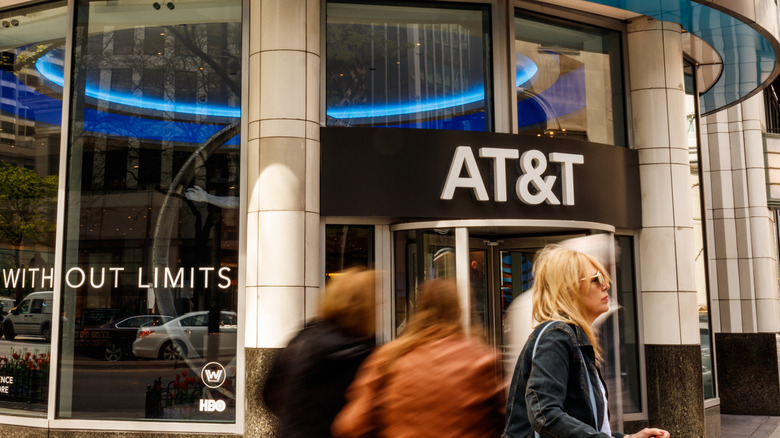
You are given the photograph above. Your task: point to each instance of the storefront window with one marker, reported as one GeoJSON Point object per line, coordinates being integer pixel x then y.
{"type": "Point", "coordinates": [628, 327]}
{"type": "Point", "coordinates": [420, 255]}
{"type": "Point", "coordinates": [348, 246]}
{"type": "Point", "coordinates": [30, 119]}
{"type": "Point", "coordinates": [149, 309]}
{"type": "Point", "coordinates": [698, 234]}
{"type": "Point", "coordinates": [390, 65]}
{"type": "Point", "coordinates": [569, 81]}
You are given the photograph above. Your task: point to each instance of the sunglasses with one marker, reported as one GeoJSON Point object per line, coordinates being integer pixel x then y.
{"type": "Point", "coordinates": [598, 276]}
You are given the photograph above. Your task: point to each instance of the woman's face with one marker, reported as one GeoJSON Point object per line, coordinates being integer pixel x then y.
{"type": "Point", "coordinates": [595, 299]}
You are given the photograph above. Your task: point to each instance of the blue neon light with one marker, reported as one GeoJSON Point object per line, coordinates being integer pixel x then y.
{"type": "Point", "coordinates": [50, 68]}
{"type": "Point", "coordinates": [526, 70]}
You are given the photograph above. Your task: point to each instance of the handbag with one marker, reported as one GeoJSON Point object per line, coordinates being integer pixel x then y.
{"type": "Point", "coordinates": [587, 374]}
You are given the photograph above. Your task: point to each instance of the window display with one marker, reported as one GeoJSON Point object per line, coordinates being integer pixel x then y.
{"type": "Point", "coordinates": [149, 324]}
{"type": "Point", "coordinates": [30, 119]}
{"type": "Point", "coordinates": [409, 66]}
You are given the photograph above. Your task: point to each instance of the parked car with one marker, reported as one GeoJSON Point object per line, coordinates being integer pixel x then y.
{"type": "Point", "coordinates": [186, 336]}
{"type": "Point", "coordinates": [114, 340]}
{"type": "Point", "coordinates": [31, 317]}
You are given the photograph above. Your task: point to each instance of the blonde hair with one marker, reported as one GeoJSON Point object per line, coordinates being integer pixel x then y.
{"type": "Point", "coordinates": [558, 287]}
{"type": "Point", "coordinates": [437, 316]}
{"type": "Point", "coordinates": [349, 302]}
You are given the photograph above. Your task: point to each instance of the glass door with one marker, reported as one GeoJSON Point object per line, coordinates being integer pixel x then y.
{"type": "Point", "coordinates": [500, 277]}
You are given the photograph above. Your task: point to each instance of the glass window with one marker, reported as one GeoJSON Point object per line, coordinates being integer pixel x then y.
{"type": "Point", "coordinates": [700, 273]}
{"type": "Point", "coordinates": [625, 289]}
{"type": "Point", "coordinates": [152, 215]}
{"type": "Point", "coordinates": [390, 65]}
{"type": "Point", "coordinates": [30, 119]}
{"type": "Point", "coordinates": [420, 255]}
{"type": "Point", "coordinates": [568, 81]}
{"type": "Point", "coordinates": [348, 246]}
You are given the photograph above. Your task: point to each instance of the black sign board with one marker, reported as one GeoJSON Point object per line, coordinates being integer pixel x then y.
{"type": "Point", "coordinates": [7, 61]}
{"type": "Point", "coordinates": [402, 173]}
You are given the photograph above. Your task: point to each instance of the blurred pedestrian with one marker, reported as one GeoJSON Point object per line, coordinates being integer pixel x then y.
{"type": "Point", "coordinates": [306, 385]}
{"type": "Point", "coordinates": [557, 389]}
{"type": "Point", "coordinates": [433, 381]}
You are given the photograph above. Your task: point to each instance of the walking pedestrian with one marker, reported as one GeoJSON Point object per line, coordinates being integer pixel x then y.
{"type": "Point", "coordinates": [557, 389]}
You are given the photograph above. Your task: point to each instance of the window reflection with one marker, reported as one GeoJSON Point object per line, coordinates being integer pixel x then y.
{"type": "Point", "coordinates": [151, 252]}
{"type": "Point", "coordinates": [420, 255]}
{"type": "Point", "coordinates": [408, 66]}
{"type": "Point", "coordinates": [568, 81]}
{"type": "Point", "coordinates": [30, 118]}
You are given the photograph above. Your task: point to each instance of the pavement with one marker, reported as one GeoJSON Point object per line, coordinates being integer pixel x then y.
{"type": "Point", "coordinates": [749, 426]}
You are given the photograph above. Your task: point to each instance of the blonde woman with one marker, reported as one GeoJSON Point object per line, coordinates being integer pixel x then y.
{"type": "Point", "coordinates": [306, 385]}
{"type": "Point", "coordinates": [557, 390]}
{"type": "Point", "coordinates": [433, 381]}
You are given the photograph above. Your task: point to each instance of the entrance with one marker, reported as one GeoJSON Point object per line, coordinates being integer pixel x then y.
{"type": "Point", "coordinates": [492, 262]}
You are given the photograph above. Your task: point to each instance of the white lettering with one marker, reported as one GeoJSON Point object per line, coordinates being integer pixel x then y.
{"type": "Point", "coordinates": [92, 277]}
{"type": "Point", "coordinates": [213, 375]}
{"type": "Point", "coordinates": [175, 282]}
{"type": "Point", "coordinates": [464, 157]}
{"type": "Point", "coordinates": [32, 275]}
{"type": "Point", "coordinates": [7, 380]}
{"type": "Point", "coordinates": [156, 273]}
{"type": "Point", "coordinates": [206, 275]}
{"type": "Point", "coordinates": [499, 157]}
{"type": "Point", "coordinates": [4, 389]}
{"type": "Point", "coordinates": [567, 173]}
{"type": "Point", "coordinates": [10, 278]}
{"type": "Point", "coordinates": [206, 405]}
{"type": "Point", "coordinates": [533, 164]}
{"type": "Point", "coordinates": [140, 276]}
{"type": "Point", "coordinates": [116, 275]}
{"type": "Point", "coordinates": [226, 284]}
{"type": "Point", "coordinates": [49, 278]}
{"type": "Point", "coordinates": [81, 273]}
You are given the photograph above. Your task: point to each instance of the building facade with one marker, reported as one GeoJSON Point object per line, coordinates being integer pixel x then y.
{"type": "Point", "coordinates": [179, 179]}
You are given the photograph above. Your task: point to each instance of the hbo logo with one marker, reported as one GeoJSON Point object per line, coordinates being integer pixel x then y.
{"type": "Point", "coordinates": [212, 405]}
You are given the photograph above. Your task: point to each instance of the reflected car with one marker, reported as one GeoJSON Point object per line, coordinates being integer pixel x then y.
{"type": "Point", "coordinates": [187, 336]}
{"type": "Point", "coordinates": [31, 317]}
{"type": "Point", "coordinates": [114, 340]}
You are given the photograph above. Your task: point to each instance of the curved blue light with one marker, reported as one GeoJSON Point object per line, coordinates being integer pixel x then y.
{"type": "Point", "coordinates": [50, 68]}
{"type": "Point", "coordinates": [526, 70]}
{"type": "Point", "coordinates": [749, 58]}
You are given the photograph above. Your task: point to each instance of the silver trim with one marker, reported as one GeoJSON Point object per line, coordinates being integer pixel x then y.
{"type": "Point", "coordinates": [475, 223]}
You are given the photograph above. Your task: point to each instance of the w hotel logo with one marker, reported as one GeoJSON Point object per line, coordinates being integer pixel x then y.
{"type": "Point", "coordinates": [213, 375]}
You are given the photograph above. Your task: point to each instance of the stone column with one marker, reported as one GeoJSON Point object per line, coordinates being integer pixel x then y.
{"type": "Point", "coordinates": [666, 241]}
{"type": "Point", "coordinates": [283, 186]}
{"type": "Point", "coordinates": [743, 279]}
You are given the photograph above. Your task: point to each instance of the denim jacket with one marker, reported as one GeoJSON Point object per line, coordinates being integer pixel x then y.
{"type": "Point", "coordinates": [551, 395]}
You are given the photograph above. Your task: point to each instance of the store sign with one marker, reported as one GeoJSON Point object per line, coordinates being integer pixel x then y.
{"type": "Point", "coordinates": [97, 278]}
{"type": "Point", "coordinates": [533, 164]}
{"type": "Point", "coordinates": [419, 174]}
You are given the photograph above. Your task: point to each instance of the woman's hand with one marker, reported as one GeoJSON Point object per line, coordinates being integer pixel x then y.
{"type": "Point", "coordinates": [650, 433]}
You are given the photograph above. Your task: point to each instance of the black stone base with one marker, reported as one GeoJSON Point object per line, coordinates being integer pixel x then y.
{"type": "Point", "coordinates": [259, 421]}
{"type": "Point", "coordinates": [674, 389]}
{"type": "Point", "coordinates": [748, 378]}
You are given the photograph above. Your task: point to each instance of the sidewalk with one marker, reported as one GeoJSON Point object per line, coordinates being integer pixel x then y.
{"type": "Point", "coordinates": [749, 426]}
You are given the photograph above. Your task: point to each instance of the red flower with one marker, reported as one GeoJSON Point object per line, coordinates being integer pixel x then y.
{"type": "Point", "coordinates": [16, 355]}
{"type": "Point", "coordinates": [184, 373]}
{"type": "Point", "coordinates": [190, 380]}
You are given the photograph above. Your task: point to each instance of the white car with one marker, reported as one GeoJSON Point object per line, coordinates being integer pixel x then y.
{"type": "Point", "coordinates": [31, 317]}
{"type": "Point", "coordinates": [187, 336]}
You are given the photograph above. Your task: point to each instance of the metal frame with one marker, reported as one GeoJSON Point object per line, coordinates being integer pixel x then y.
{"type": "Point", "coordinates": [50, 421]}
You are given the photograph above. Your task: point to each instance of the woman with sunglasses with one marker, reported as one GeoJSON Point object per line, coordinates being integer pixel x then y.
{"type": "Point", "coordinates": [557, 390]}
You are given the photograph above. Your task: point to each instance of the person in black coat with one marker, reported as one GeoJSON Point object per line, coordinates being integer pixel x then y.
{"type": "Point", "coordinates": [306, 385]}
